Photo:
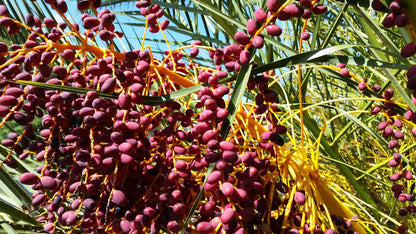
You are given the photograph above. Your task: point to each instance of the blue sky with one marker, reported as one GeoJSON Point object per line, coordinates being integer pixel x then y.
{"type": "Point", "coordinates": [131, 33]}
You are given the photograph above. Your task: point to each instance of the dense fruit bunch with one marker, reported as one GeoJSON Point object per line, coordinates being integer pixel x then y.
{"type": "Point", "coordinates": [392, 128]}
{"type": "Point", "coordinates": [117, 159]}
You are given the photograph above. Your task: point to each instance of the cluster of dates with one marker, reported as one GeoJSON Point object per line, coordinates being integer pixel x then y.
{"type": "Point", "coordinates": [392, 128]}
{"type": "Point", "coordinates": [124, 165]}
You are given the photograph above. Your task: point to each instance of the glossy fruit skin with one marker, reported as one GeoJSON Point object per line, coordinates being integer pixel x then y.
{"type": "Point", "coordinates": [119, 198]}
{"type": "Point", "coordinates": [389, 21]}
{"type": "Point", "coordinates": [294, 10]}
{"type": "Point", "coordinates": [319, 9]}
{"type": "Point", "coordinates": [227, 189]}
{"type": "Point", "coordinates": [408, 50]}
{"type": "Point", "coordinates": [204, 227]}
{"type": "Point", "coordinates": [8, 100]}
{"type": "Point", "coordinates": [28, 178]}
{"type": "Point", "coordinates": [299, 198]}
{"type": "Point", "coordinates": [258, 42]}
{"type": "Point", "coordinates": [388, 94]}
{"type": "Point", "coordinates": [305, 36]}
{"type": "Point", "coordinates": [214, 177]}
{"type": "Point", "coordinates": [251, 26]}
{"type": "Point", "coordinates": [4, 11]}
{"type": "Point", "coordinates": [272, 5]}
{"type": "Point", "coordinates": [260, 15]}
{"type": "Point", "coordinates": [273, 30]}
{"type": "Point", "coordinates": [227, 216]}
{"type": "Point", "coordinates": [242, 38]}
{"type": "Point", "coordinates": [402, 20]}
{"type": "Point", "coordinates": [245, 57]}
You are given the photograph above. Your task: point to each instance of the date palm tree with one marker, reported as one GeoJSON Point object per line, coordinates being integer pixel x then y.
{"type": "Point", "coordinates": [312, 126]}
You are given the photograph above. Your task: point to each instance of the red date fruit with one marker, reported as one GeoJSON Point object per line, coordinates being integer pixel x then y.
{"type": "Point", "coordinates": [245, 57]}
{"type": "Point", "coordinates": [119, 198]}
{"type": "Point", "coordinates": [61, 6]}
{"type": "Point", "coordinates": [273, 30]}
{"type": "Point", "coordinates": [204, 227]}
{"type": "Point", "coordinates": [294, 10]}
{"type": "Point", "coordinates": [251, 26]}
{"type": "Point", "coordinates": [227, 189]}
{"type": "Point", "coordinates": [4, 11]}
{"type": "Point", "coordinates": [90, 22]}
{"type": "Point", "coordinates": [299, 198]}
{"type": "Point", "coordinates": [241, 38]}
{"type": "Point", "coordinates": [214, 177]}
{"type": "Point", "coordinates": [408, 50]}
{"type": "Point", "coordinates": [305, 36]}
{"type": "Point", "coordinates": [272, 5]}
{"type": "Point", "coordinates": [319, 9]}
{"type": "Point", "coordinates": [28, 178]}
{"type": "Point", "coordinates": [258, 42]}
{"type": "Point", "coordinates": [228, 215]}
{"type": "Point", "coordinates": [48, 182]}
{"type": "Point", "coordinates": [260, 15]}
{"type": "Point", "coordinates": [8, 100]}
